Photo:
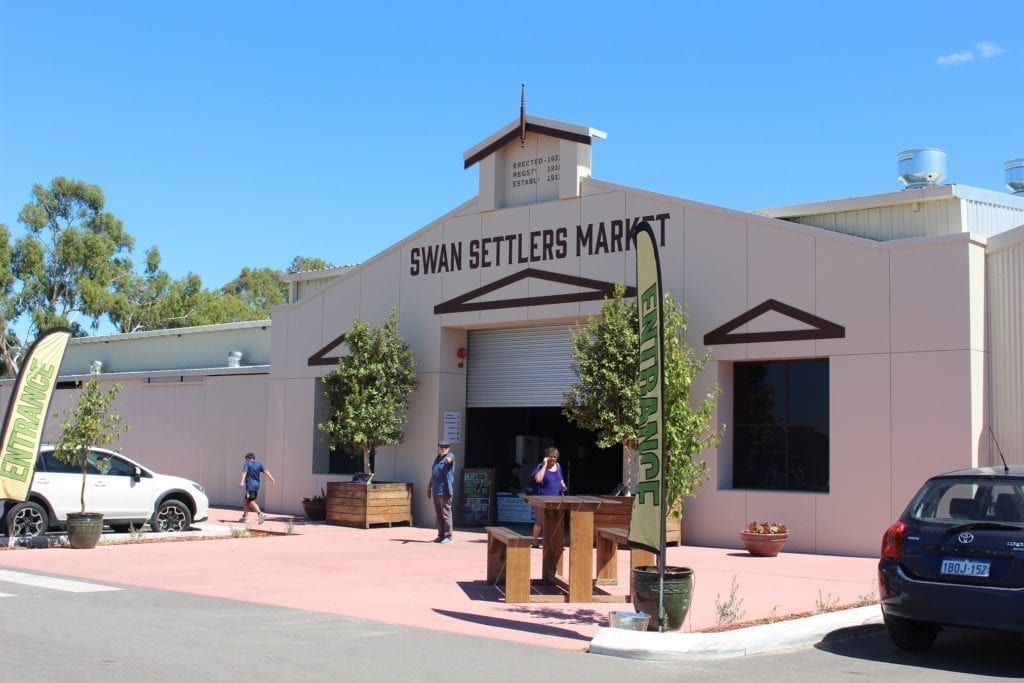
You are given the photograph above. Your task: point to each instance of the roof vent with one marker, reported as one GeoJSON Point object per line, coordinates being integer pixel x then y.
{"type": "Point", "coordinates": [234, 359]}
{"type": "Point", "coordinates": [95, 367]}
{"type": "Point", "coordinates": [1015, 175]}
{"type": "Point", "coordinates": [922, 167]}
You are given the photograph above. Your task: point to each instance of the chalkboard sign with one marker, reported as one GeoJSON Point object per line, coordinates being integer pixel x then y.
{"type": "Point", "coordinates": [477, 496]}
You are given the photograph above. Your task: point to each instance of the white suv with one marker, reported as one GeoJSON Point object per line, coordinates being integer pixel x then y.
{"type": "Point", "coordinates": [123, 490]}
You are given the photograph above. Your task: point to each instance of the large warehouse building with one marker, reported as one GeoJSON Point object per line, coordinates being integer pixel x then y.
{"type": "Point", "coordinates": [861, 344]}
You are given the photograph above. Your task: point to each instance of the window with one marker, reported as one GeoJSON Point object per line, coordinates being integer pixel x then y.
{"type": "Point", "coordinates": [780, 413]}
{"type": "Point", "coordinates": [104, 463]}
{"type": "Point", "coordinates": [48, 462]}
{"type": "Point", "coordinates": [955, 500]}
{"type": "Point", "coordinates": [348, 460]}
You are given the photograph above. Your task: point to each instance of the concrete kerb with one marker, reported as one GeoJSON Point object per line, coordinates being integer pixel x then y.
{"type": "Point", "coordinates": [782, 635]}
{"type": "Point", "coordinates": [56, 539]}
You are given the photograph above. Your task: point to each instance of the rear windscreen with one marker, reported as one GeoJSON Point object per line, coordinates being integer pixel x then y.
{"type": "Point", "coordinates": [955, 501]}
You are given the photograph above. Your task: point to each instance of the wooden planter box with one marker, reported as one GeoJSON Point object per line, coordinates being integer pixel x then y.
{"type": "Point", "coordinates": [364, 505]}
{"type": "Point", "coordinates": [617, 517]}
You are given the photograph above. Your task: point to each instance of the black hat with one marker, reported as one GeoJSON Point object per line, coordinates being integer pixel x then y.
{"type": "Point", "coordinates": [250, 456]}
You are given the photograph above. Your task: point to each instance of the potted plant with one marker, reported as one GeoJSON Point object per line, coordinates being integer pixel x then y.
{"type": "Point", "coordinates": [315, 506]}
{"type": "Point", "coordinates": [606, 399]}
{"type": "Point", "coordinates": [368, 399]}
{"type": "Point", "coordinates": [89, 423]}
{"type": "Point", "coordinates": [764, 539]}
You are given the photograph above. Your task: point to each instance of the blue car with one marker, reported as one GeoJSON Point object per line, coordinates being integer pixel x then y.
{"type": "Point", "coordinates": [956, 557]}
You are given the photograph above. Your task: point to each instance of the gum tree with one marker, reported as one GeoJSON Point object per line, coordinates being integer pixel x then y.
{"type": "Point", "coordinates": [10, 346]}
{"type": "Point", "coordinates": [73, 253]}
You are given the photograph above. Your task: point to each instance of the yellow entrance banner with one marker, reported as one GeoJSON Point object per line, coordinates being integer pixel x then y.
{"type": "Point", "coordinates": [647, 523]}
{"type": "Point", "coordinates": [26, 412]}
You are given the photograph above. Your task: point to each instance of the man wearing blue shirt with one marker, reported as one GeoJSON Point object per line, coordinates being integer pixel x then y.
{"type": "Point", "coordinates": [252, 470]}
{"type": "Point", "coordinates": [441, 488]}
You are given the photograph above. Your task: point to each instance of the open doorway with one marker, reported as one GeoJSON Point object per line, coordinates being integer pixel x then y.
{"type": "Point", "coordinates": [503, 437]}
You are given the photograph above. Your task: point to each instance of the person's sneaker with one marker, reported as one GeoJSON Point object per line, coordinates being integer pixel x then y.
{"type": "Point", "coordinates": [438, 539]}
{"type": "Point", "coordinates": [242, 519]}
{"type": "Point", "coordinates": [535, 544]}
{"type": "Point", "coordinates": [446, 539]}
{"type": "Point", "coordinates": [262, 517]}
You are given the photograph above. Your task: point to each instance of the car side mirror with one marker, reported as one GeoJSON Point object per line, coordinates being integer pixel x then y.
{"type": "Point", "coordinates": [136, 473]}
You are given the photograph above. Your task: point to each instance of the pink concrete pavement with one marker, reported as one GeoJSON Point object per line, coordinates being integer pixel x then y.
{"type": "Point", "coordinates": [398, 576]}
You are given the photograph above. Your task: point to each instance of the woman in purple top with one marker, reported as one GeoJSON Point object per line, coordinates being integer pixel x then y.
{"type": "Point", "coordinates": [548, 478]}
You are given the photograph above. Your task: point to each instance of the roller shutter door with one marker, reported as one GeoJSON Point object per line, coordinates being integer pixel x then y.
{"type": "Point", "coordinates": [523, 367]}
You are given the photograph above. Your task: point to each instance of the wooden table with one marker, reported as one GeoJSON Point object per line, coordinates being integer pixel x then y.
{"type": "Point", "coordinates": [550, 511]}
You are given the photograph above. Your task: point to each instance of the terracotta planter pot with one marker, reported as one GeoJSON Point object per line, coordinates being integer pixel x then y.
{"type": "Point", "coordinates": [763, 545]}
{"type": "Point", "coordinates": [315, 511]}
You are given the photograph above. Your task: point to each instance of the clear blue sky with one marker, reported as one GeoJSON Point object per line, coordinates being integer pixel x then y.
{"type": "Point", "coordinates": [235, 134]}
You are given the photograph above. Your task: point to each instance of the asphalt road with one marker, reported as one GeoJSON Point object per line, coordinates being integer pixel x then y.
{"type": "Point", "coordinates": [67, 631]}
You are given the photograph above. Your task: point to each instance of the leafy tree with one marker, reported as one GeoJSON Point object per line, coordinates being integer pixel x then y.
{"type": "Point", "coordinates": [606, 395]}
{"type": "Point", "coordinates": [141, 297]}
{"type": "Point", "coordinates": [10, 347]}
{"type": "Point", "coordinates": [605, 398]}
{"type": "Point", "coordinates": [215, 307]}
{"type": "Point", "coordinates": [154, 301]}
{"type": "Point", "coordinates": [301, 264]}
{"type": "Point", "coordinates": [72, 255]}
{"type": "Point", "coordinates": [87, 424]}
{"type": "Point", "coordinates": [258, 288]}
{"type": "Point", "coordinates": [368, 393]}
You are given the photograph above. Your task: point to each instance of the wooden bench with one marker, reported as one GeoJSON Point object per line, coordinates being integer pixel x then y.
{"type": "Point", "coordinates": [618, 516]}
{"type": "Point", "coordinates": [508, 555]}
{"type": "Point", "coordinates": [609, 539]}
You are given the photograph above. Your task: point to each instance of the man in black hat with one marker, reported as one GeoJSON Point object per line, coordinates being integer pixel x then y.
{"type": "Point", "coordinates": [441, 488]}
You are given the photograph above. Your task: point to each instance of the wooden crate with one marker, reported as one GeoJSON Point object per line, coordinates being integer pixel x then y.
{"type": "Point", "coordinates": [365, 505]}
{"type": "Point", "coordinates": [617, 517]}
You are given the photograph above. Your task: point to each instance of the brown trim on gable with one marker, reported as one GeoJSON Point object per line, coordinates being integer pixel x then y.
{"type": "Point", "coordinates": [321, 357]}
{"type": "Point", "coordinates": [823, 329]}
{"type": "Point", "coordinates": [530, 128]}
{"type": "Point", "coordinates": [597, 289]}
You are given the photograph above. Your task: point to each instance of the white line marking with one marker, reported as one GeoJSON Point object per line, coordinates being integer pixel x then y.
{"type": "Point", "coordinates": [66, 585]}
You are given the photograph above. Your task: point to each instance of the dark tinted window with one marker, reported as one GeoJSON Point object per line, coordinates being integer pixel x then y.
{"type": "Point", "coordinates": [781, 436]}
{"type": "Point", "coordinates": [48, 462]}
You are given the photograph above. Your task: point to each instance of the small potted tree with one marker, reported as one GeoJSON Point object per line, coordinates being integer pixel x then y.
{"type": "Point", "coordinates": [368, 396]}
{"type": "Point", "coordinates": [88, 424]}
{"type": "Point", "coordinates": [606, 399]}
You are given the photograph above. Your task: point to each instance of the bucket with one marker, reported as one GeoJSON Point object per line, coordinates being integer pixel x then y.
{"type": "Point", "coordinates": [631, 621]}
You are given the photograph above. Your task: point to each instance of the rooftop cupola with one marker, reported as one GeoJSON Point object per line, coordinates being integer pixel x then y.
{"type": "Point", "coordinates": [532, 160]}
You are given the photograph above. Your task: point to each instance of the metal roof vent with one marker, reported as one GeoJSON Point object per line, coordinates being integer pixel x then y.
{"type": "Point", "coordinates": [922, 167]}
{"type": "Point", "coordinates": [95, 367]}
{"type": "Point", "coordinates": [1015, 175]}
{"type": "Point", "coordinates": [235, 359]}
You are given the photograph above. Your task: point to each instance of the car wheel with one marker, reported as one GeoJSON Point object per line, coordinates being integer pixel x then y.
{"type": "Point", "coordinates": [27, 520]}
{"type": "Point", "coordinates": [171, 515]}
{"type": "Point", "coordinates": [916, 636]}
